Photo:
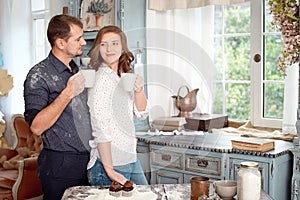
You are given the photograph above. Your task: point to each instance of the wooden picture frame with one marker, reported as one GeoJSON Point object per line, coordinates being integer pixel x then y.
{"type": "Point", "coordinates": [95, 14]}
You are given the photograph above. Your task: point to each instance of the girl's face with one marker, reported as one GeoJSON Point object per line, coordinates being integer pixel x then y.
{"type": "Point", "coordinates": [111, 48]}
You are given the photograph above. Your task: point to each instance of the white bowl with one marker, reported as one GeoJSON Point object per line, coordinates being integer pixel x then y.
{"type": "Point", "coordinates": [226, 189]}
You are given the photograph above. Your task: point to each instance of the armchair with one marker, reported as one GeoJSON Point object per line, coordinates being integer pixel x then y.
{"type": "Point", "coordinates": [21, 183]}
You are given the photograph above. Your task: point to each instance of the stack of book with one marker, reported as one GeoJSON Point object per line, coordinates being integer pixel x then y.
{"type": "Point", "coordinates": [169, 123]}
{"type": "Point", "coordinates": [253, 144]}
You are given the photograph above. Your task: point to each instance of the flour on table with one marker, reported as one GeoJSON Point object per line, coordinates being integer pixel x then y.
{"type": "Point", "coordinates": [176, 195]}
{"type": "Point", "coordinates": [103, 194]}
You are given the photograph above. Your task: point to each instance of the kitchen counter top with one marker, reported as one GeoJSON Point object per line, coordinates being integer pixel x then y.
{"type": "Point", "coordinates": [162, 191]}
{"type": "Point", "coordinates": [212, 142]}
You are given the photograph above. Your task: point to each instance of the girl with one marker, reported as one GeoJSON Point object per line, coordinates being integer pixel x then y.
{"type": "Point", "coordinates": [113, 155]}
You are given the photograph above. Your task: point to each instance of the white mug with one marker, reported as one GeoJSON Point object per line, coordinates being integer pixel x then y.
{"type": "Point", "coordinates": [127, 81]}
{"type": "Point", "coordinates": [89, 75]}
{"type": "Point", "coordinates": [85, 61]}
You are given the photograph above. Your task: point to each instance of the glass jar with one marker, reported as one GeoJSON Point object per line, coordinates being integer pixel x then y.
{"type": "Point", "coordinates": [249, 181]}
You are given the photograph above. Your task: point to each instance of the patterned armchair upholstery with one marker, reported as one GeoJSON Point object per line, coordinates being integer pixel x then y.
{"type": "Point", "coordinates": [21, 183]}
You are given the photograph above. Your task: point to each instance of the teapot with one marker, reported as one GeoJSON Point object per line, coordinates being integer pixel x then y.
{"type": "Point", "coordinates": [186, 104]}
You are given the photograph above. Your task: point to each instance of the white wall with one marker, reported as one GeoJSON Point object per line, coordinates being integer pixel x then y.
{"type": "Point", "coordinates": [16, 46]}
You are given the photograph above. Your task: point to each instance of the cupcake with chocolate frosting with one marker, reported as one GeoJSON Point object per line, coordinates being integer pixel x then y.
{"type": "Point", "coordinates": [127, 189]}
{"type": "Point", "coordinates": [115, 189]}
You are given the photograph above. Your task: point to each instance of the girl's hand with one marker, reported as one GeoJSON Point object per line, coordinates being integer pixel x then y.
{"type": "Point", "coordinates": [115, 176]}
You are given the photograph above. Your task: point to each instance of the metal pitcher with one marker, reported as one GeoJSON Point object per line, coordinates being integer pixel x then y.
{"type": "Point", "coordinates": [186, 104]}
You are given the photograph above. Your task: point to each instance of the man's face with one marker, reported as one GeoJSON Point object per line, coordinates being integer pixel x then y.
{"type": "Point", "coordinates": [75, 42]}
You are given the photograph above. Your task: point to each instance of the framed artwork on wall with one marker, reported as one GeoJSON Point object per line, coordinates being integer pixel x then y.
{"type": "Point", "coordinates": [95, 14]}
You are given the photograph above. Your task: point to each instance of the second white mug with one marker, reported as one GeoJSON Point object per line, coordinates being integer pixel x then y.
{"type": "Point", "coordinates": [127, 81]}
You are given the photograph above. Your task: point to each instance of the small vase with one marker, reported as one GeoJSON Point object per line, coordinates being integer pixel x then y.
{"type": "Point", "coordinates": [99, 19]}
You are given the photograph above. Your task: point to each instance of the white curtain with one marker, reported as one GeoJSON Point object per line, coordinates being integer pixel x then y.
{"type": "Point", "coordinates": [16, 48]}
{"type": "Point", "coordinates": [178, 54]}
{"type": "Point", "coordinates": [290, 99]}
{"type": "Point", "coordinates": [162, 5]}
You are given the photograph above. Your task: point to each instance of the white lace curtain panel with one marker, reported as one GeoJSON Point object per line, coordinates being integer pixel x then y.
{"type": "Point", "coordinates": [162, 5]}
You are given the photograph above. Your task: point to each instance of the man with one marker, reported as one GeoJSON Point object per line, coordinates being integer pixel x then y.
{"type": "Point", "coordinates": [56, 109]}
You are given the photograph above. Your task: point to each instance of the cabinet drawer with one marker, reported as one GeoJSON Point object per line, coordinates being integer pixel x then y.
{"type": "Point", "coordinates": [142, 149]}
{"type": "Point", "coordinates": [166, 177]}
{"type": "Point", "coordinates": [168, 159]}
{"type": "Point", "coordinates": [204, 164]}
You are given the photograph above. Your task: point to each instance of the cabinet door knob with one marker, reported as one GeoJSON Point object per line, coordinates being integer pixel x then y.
{"type": "Point", "coordinates": [166, 157]}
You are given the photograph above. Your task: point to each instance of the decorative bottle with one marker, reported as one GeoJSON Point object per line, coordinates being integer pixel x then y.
{"type": "Point", "coordinates": [249, 181]}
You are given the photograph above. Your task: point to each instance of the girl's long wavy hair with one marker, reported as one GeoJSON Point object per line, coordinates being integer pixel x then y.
{"type": "Point", "coordinates": [125, 59]}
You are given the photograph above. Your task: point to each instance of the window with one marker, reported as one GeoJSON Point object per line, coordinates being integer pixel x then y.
{"type": "Point", "coordinates": [39, 20]}
{"type": "Point", "coordinates": [240, 43]}
{"type": "Point", "coordinates": [248, 85]}
{"type": "Point", "coordinates": [270, 109]}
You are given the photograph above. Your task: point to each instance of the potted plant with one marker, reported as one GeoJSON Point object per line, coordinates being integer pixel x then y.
{"type": "Point", "coordinates": [99, 8]}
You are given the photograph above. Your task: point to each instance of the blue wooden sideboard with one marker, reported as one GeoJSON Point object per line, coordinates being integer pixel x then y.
{"type": "Point", "coordinates": [175, 159]}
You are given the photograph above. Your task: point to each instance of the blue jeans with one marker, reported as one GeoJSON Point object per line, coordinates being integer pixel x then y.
{"type": "Point", "coordinates": [133, 171]}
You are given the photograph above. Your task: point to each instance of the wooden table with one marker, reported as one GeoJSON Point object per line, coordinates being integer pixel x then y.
{"type": "Point", "coordinates": [163, 192]}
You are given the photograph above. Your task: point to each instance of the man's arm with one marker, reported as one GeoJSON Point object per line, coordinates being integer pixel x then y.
{"type": "Point", "coordinates": [49, 115]}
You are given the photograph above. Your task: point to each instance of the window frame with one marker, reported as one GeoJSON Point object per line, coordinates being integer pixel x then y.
{"type": "Point", "coordinates": [38, 15]}
{"type": "Point", "coordinates": [257, 68]}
